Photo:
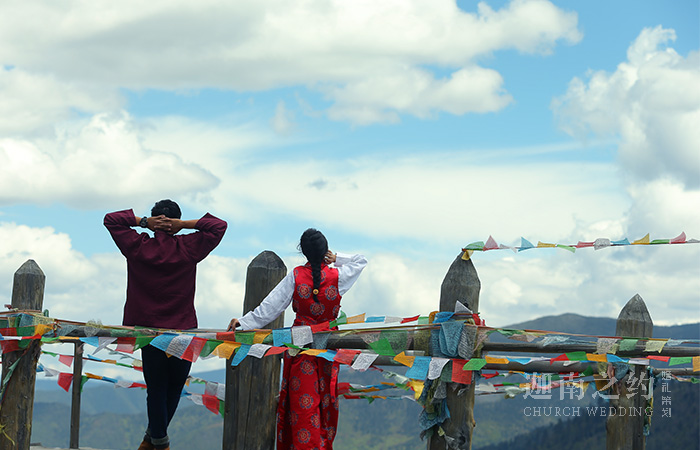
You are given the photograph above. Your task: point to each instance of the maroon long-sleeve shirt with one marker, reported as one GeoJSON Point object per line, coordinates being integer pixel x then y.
{"type": "Point", "coordinates": [161, 270]}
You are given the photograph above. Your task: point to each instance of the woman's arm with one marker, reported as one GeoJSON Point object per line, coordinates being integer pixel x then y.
{"type": "Point", "coordinates": [349, 269]}
{"type": "Point", "coordinates": [271, 307]}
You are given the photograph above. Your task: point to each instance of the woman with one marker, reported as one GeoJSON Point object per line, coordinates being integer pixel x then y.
{"type": "Point", "coordinates": [307, 413]}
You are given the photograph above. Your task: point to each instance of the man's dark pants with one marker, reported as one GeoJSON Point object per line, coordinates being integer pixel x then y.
{"type": "Point", "coordinates": [165, 377]}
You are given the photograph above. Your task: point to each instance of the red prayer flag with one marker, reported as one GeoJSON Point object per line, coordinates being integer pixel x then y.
{"type": "Point", "coordinates": [275, 351]}
{"type": "Point", "coordinates": [459, 375]}
{"type": "Point", "coordinates": [410, 319]}
{"type": "Point", "coordinates": [194, 349]}
{"type": "Point", "coordinates": [9, 346]}
{"type": "Point", "coordinates": [343, 388]}
{"type": "Point", "coordinates": [561, 357]}
{"type": "Point", "coordinates": [211, 402]}
{"type": "Point", "coordinates": [345, 356]}
{"type": "Point", "coordinates": [126, 344]}
{"type": "Point", "coordinates": [66, 359]}
{"type": "Point", "coordinates": [226, 336]}
{"type": "Point", "coordinates": [319, 327]}
{"type": "Point", "coordinates": [64, 380]}
{"type": "Point", "coordinates": [659, 358]}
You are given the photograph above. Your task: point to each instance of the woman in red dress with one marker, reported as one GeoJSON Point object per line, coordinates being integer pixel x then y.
{"type": "Point", "coordinates": [307, 413]}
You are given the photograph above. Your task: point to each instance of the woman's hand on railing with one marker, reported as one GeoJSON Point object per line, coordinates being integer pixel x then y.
{"type": "Point", "coordinates": [233, 325]}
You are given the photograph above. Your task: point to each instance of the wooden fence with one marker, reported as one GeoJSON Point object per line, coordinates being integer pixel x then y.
{"type": "Point", "coordinates": [254, 384]}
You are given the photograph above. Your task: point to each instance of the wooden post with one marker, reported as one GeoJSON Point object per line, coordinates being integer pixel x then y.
{"type": "Point", "coordinates": [253, 386]}
{"type": "Point", "coordinates": [75, 402]}
{"type": "Point", "coordinates": [460, 284]}
{"type": "Point", "coordinates": [18, 404]}
{"type": "Point", "coordinates": [625, 431]}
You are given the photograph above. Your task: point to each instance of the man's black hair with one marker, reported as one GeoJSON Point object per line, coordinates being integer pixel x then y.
{"type": "Point", "coordinates": [167, 208]}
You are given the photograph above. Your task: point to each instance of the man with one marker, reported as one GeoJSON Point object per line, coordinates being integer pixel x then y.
{"type": "Point", "coordinates": [161, 272]}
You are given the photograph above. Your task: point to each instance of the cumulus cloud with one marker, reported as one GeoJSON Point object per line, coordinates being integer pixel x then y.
{"type": "Point", "coordinates": [445, 198]}
{"type": "Point", "coordinates": [34, 103]}
{"type": "Point", "coordinates": [101, 162]}
{"type": "Point", "coordinates": [651, 101]}
{"type": "Point", "coordinates": [341, 49]}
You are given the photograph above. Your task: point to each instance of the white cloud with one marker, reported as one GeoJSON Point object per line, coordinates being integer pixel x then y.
{"type": "Point", "coordinates": [34, 103]}
{"type": "Point", "coordinates": [339, 48]}
{"type": "Point", "coordinates": [97, 163]}
{"type": "Point", "coordinates": [437, 198]}
{"type": "Point", "coordinates": [283, 120]}
{"type": "Point", "coordinates": [652, 102]}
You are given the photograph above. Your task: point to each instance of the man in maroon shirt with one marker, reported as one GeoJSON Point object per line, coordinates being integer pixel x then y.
{"type": "Point", "coordinates": [161, 272]}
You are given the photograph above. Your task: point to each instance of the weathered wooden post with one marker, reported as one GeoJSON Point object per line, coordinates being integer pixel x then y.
{"type": "Point", "coordinates": [252, 387]}
{"type": "Point", "coordinates": [18, 404]}
{"type": "Point", "coordinates": [75, 401]}
{"type": "Point", "coordinates": [461, 283]}
{"type": "Point", "coordinates": [625, 431]}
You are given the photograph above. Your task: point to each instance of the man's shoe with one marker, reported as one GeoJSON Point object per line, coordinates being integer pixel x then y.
{"type": "Point", "coordinates": [145, 445]}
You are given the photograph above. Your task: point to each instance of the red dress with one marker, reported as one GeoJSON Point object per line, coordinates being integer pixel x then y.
{"type": "Point", "coordinates": [307, 413]}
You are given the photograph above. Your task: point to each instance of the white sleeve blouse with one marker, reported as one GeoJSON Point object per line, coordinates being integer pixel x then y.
{"type": "Point", "coordinates": [349, 269]}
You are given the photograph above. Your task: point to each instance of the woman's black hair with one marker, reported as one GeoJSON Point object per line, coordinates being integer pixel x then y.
{"type": "Point", "coordinates": [314, 246]}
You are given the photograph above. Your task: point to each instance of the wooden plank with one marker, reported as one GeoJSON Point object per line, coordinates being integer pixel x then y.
{"type": "Point", "coordinates": [626, 432]}
{"type": "Point", "coordinates": [252, 387]}
{"type": "Point", "coordinates": [75, 400]}
{"type": "Point", "coordinates": [18, 404]}
{"type": "Point", "coordinates": [462, 284]}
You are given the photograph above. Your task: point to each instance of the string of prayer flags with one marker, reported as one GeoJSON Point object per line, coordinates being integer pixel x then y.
{"type": "Point", "coordinates": [598, 244]}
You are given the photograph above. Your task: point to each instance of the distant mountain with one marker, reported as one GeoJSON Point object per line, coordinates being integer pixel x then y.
{"type": "Point", "coordinates": [114, 418]}
{"type": "Point", "coordinates": [601, 326]}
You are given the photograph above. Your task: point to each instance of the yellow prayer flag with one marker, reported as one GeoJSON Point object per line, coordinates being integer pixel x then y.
{"type": "Point", "coordinates": [545, 245]}
{"type": "Point", "coordinates": [467, 254]}
{"type": "Point", "coordinates": [642, 241]}
{"type": "Point", "coordinates": [654, 346]}
{"type": "Point", "coordinates": [600, 357]}
{"type": "Point", "coordinates": [94, 377]}
{"type": "Point", "coordinates": [417, 386]}
{"type": "Point", "coordinates": [109, 361]}
{"type": "Point", "coordinates": [313, 352]}
{"type": "Point", "coordinates": [492, 360]}
{"type": "Point", "coordinates": [357, 319]}
{"type": "Point", "coordinates": [41, 329]}
{"type": "Point", "coordinates": [260, 336]}
{"type": "Point", "coordinates": [696, 363]}
{"type": "Point", "coordinates": [405, 360]}
{"type": "Point", "coordinates": [225, 349]}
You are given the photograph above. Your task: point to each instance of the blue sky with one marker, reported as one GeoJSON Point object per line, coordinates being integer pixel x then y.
{"type": "Point", "coordinates": [404, 130]}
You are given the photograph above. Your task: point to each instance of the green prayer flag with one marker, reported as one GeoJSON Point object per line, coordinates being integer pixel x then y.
{"type": "Point", "coordinates": [142, 341]}
{"type": "Point", "coordinates": [209, 347]}
{"type": "Point", "coordinates": [245, 338]}
{"type": "Point", "coordinates": [340, 320]}
{"type": "Point", "coordinates": [680, 360]}
{"type": "Point", "coordinates": [627, 345]}
{"type": "Point", "coordinates": [588, 372]}
{"type": "Point", "coordinates": [382, 347]}
{"type": "Point", "coordinates": [474, 364]}
{"type": "Point", "coordinates": [25, 331]}
{"type": "Point", "coordinates": [423, 320]}
{"type": "Point", "coordinates": [577, 356]}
